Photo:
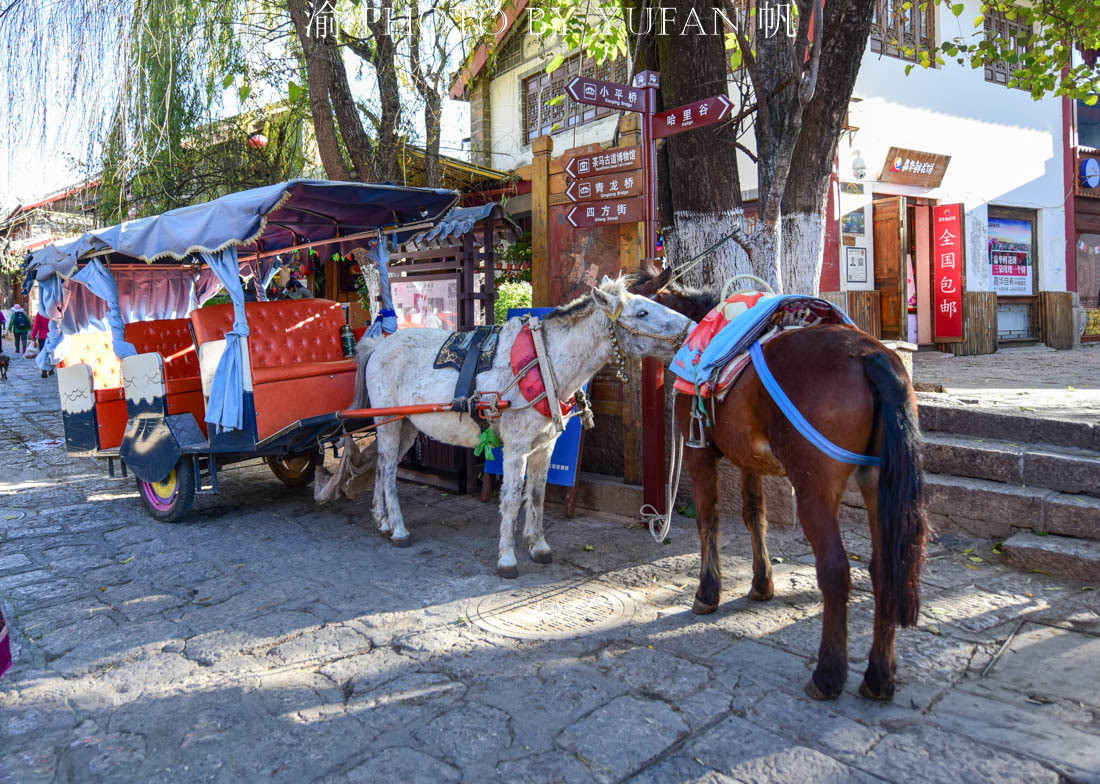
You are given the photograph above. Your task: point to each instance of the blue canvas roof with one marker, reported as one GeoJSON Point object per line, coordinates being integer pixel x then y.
{"type": "Point", "coordinates": [268, 218]}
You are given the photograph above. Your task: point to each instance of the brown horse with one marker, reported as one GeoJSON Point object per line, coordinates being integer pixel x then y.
{"type": "Point", "coordinates": [856, 392]}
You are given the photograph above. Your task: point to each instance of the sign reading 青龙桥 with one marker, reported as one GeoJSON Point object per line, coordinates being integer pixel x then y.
{"type": "Point", "coordinates": [947, 273]}
{"type": "Point", "coordinates": [616, 159]}
{"type": "Point", "coordinates": [607, 186]}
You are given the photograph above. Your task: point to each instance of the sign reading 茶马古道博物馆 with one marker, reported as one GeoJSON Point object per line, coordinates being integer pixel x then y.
{"type": "Point", "coordinates": [947, 273]}
{"type": "Point", "coordinates": [616, 159]}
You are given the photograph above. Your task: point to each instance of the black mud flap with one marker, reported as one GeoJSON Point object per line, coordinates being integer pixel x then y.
{"type": "Point", "coordinates": [152, 445]}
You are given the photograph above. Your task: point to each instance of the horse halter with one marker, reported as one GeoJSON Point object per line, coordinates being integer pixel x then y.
{"type": "Point", "coordinates": [613, 327]}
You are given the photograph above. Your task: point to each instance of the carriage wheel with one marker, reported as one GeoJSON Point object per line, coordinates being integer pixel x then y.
{"type": "Point", "coordinates": [170, 499]}
{"type": "Point", "coordinates": [296, 470]}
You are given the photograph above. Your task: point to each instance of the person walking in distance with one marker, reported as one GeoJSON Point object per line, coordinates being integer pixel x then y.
{"type": "Point", "coordinates": [3, 327]}
{"type": "Point", "coordinates": [20, 326]}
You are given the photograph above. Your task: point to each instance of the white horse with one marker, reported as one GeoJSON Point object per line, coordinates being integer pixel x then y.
{"type": "Point", "coordinates": [580, 338]}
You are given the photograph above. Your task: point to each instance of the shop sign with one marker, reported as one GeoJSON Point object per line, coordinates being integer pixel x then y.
{"type": "Point", "coordinates": [1010, 256]}
{"type": "Point", "coordinates": [617, 159]}
{"type": "Point", "coordinates": [1088, 175]}
{"type": "Point", "coordinates": [947, 272]}
{"type": "Point", "coordinates": [913, 167]}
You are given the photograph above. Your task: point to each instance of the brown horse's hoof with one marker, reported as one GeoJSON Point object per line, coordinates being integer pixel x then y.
{"type": "Point", "coordinates": [869, 693]}
{"type": "Point", "coordinates": [702, 608]}
{"type": "Point", "coordinates": [542, 558]}
{"type": "Point", "coordinates": [761, 596]}
{"type": "Point", "coordinates": [508, 572]}
{"type": "Point", "coordinates": [401, 541]}
{"type": "Point", "coordinates": [813, 691]}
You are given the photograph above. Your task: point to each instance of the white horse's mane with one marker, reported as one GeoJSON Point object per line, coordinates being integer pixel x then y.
{"type": "Point", "coordinates": [616, 287]}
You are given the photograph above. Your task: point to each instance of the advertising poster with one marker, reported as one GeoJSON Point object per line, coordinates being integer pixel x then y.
{"type": "Point", "coordinates": [1010, 256]}
{"type": "Point", "coordinates": [947, 272]}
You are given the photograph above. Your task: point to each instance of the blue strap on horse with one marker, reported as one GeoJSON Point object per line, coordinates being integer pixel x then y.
{"type": "Point", "coordinates": [801, 424]}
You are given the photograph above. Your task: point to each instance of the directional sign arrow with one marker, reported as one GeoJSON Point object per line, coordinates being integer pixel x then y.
{"type": "Point", "coordinates": [691, 116]}
{"type": "Point", "coordinates": [605, 212]}
{"type": "Point", "coordinates": [609, 94]}
{"type": "Point", "coordinates": [606, 186]}
{"type": "Point", "coordinates": [615, 159]}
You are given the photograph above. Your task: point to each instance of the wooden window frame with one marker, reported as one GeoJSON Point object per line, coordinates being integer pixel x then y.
{"type": "Point", "coordinates": [892, 28]}
{"type": "Point", "coordinates": [996, 24]}
{"type": "Point", "coordinates": [540, 87]}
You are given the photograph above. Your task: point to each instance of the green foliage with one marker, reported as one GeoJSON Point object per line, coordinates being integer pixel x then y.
{"type": "Point", "coordinates": [596, 26]}
{"type": "Point", "coordinates": [511, 294]}
{"type": "Point", "coordinates": [1037, 45]}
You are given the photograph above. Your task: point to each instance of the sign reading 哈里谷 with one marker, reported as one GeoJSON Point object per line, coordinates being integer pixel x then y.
{"type": "Point", "coordinates": [616, 159]}
{"type": "Point", "coordinates": [947, 273]}
{"type": "Point", "coordinates": [606, 212]}
{"type": "Point", "coordinates": [913, 167]}
{"type": "Point", "coordinates": [607, 186]}
{"type": "Point", "coordinates": [689, 116]}
{"type": "Point", "coordinates": [597, 92]}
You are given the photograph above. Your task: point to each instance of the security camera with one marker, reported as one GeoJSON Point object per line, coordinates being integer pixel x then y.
{"type": "Point", "coordinates": [859, 167]}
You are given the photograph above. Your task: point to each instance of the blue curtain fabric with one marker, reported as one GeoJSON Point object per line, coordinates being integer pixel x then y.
{"type": "Point", "coordinates": [226, 407]}
{"type": "Point", "coordinates": [51, 302]}
{"type": "Point", "coordinates": [385, 323]}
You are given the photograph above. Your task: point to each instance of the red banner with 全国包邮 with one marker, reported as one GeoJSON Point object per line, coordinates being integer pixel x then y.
{"type": "Point", "coordinates": [947, 273]}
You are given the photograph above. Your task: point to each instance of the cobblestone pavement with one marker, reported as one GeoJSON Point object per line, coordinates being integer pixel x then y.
{"type": "Point", "coordinates": [269, 639]}
{"type": "Point", "coordinates": [1031, 379]}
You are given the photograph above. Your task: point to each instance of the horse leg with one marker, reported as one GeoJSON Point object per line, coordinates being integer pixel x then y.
{"type": "Point", "coordinates": [819, 522]}
{"type": "Point", "coordinates": [753, 511]}
{"type": "Point", "coordinates": [387, 439]}
{"type": "Point", "coordinates": [538, 465]}
{"type": "Point", "coordinates": [400, 537]}
{"type": "Point", "coordinates": [878, 680]}
{"type": "Point", "coordinates": [703, 466]}
{"type": "Point", "coordinates": [511, 496]}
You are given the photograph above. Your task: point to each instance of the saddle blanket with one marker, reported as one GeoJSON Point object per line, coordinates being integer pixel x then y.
{"type": "Point", "coordinates": [453, 352]}
{"type": "Point", "coordinates": [531, 385]}
{"type": "Point", "coordinates": [717, 349]}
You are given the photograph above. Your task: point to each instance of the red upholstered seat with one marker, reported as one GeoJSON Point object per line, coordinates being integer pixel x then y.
{"type": "Point", "coordinates": [171, 338]}
{"type": "Point", "coordinates": [298, 364]}
{"type": "Point", "coordinates": [96, 350]}
{"type": "Point", "coordinates": [264, 375]}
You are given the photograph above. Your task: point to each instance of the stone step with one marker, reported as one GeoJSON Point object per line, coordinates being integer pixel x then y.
{"type": "Point", "coordinates": [1021, 428]}
{"type": "Point", "coordinates": [1064, 469]}
{"type": "Point", "coordinates": [1078, 559]}
{"type": "Point", "coordinates": [982, 507]}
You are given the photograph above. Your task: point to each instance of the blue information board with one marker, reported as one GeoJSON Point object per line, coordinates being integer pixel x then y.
{"type": "Point", "coordinates": [563, 462]}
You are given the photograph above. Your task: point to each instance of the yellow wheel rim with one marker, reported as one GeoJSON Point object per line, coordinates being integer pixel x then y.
{"type": "Point", "coordinates": [166, 488]}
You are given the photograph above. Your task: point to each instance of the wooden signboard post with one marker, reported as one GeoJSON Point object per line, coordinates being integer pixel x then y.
{"type": "Point", "coordinates": [604, 198]}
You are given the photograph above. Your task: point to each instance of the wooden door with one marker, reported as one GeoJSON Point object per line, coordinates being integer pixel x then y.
{"type": "Point", "coordinates": [889, 239]}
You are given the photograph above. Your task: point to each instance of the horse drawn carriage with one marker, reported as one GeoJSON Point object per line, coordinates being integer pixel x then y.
{"type": "Point", "coordinates": [172, 391]}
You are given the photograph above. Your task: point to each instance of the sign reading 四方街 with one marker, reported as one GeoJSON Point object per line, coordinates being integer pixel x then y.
{"type": "Point", "coordinates": [947, 273]}
{"type": "Point", "coordinates": [913, 167]}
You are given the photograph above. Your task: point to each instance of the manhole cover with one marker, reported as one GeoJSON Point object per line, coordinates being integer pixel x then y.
{"type": "Point", "coordinates": [552, 612]}
{"type": "Point", "coordinates": [8, 515]}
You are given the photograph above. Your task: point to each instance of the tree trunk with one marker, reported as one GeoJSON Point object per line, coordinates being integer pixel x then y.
{"type": "Point", "coordinates": [318, 65]}
{"type": "Point", "coordinates": [847, 26]}
{"type": "Point", "coordinates": [433, 169]}
{"type": "Point", "coordinates": [386, 163]}
{"type": "Point", "coordinates": [347, 115]}
{"type": "Point", "coordinates": [705, 188]}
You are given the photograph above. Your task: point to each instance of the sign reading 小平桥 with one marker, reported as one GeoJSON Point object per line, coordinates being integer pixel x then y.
{"type": "Point", "coordinates": [1010, 256]}
{"type": "Point", "coordinates": [947, 272]}
{"type": "Point", "coordinates": [913, 167]}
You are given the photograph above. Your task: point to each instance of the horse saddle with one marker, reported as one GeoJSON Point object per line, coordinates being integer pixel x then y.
{"type": "Point", "coordinates": [469, 353]}
{"type": "Point", "coordinates": [716, 351]}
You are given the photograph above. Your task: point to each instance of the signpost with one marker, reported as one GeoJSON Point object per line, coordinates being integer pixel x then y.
{"type": "Point", "coordinates": [608, 186]}
{"type": "Point", "coordinates": [604, 213]}
{"type": "Point", "coordinates": [700, 114]}
{"type": "Point", "coordinates": [604, 199]}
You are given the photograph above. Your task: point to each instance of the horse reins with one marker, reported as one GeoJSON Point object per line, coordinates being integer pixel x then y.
{"type": "Point", "coordinates": [614, 325]}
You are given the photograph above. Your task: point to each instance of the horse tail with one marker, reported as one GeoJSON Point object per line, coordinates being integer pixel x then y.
{"type": "Point", "coordinates": [363, 350]}
{"type": "Point", "coordinates": [902, 527]}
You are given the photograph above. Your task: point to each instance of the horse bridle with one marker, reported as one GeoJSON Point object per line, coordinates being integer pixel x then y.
{"type": "Point", "coordinates": [614, 326]}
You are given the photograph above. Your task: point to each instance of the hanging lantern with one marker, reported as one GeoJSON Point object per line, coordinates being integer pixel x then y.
{"type": "Point", "coordinates": [257, 141]}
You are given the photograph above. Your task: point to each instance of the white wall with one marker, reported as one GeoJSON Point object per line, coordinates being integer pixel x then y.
{"type": "Point", "coordinates": [510, 150]}
{"type": "Point", "coordinates": [1005, 148]}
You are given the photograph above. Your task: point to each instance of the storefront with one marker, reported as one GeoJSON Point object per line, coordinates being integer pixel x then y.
{"type": "Point", "coordinates": [1087, 239]}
